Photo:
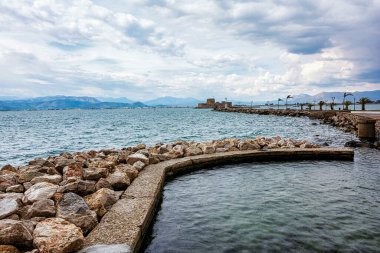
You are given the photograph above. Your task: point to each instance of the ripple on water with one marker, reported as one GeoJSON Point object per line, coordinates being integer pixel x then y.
{"type": "Point", "coordinates": [40, 132]}
{"type": "Point", "coordinates": [274, 207]}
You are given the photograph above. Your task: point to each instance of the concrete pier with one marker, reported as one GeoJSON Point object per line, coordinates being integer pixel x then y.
{"type": "Point", "coordinates": [129, 219]}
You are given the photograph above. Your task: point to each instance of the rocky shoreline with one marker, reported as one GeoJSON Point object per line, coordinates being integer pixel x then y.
{"type": "Point", "coordinates": [51, 204]}
{"type": "Point", "coordinates": [343, 120]}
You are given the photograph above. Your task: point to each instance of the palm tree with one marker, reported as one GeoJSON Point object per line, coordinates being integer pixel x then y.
{"type": "Point", "coordinates": [321, 103]}
{"type": "Point", "coordinates": [286, 103]}
{"type": "Point", "coordinates": [347, 103]}
{"type": "Point", "coordinates": [309, 105]}
{"type": "Point", "coordinates": [363, 101]}
{"type": "Point", "coordinates": [302, 105]}
{"type": "Point", "coordinates": [346, 94]}
{"type": "Point", "coordinates": [278, 103]}
{"type": "Point", "coordinates": [332, 104]}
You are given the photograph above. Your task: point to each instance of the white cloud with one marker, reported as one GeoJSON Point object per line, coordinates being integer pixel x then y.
{"type": "Point", "coordinates": [144, 49]}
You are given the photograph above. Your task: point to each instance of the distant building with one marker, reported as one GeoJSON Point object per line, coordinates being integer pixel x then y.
{"type": "Point", "coordinates": [223, 104]}
{"type": "Point", "coordinates": [210, 103]}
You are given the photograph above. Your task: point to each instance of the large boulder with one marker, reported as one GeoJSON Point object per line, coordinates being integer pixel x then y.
{"type": "Point", "coordinates": [55, 235]}
{"type": "Point", "coordinates": [207, 148]}
{"type": "Point", "coordinates": [74, 209]}
{"type": "Point", "coordinates": [73, 170]}
{"type": "Point", "coordinates": [82, 187]}
{"type": "Point", "coordinates": [18, 188]}
{"type": "Point", "coordinates": [102, 183]}
{"type": "Point", "coordinates": [8, 167]}
{"type": "Point", "coordinates": [192, 151]}
{"type": "Point", "coordinates": [62, 162]}
{"type": "Point", "coordinates": [247, 145]}
{"type": "Point", "coordinates": [54, 179]}
{"type": "Point", "coordinates": [139, 166]}
{"type": "Point", "coordinates": [131, 172]}
{"type": "Point", "coordinates": [42, 208]}
{"type": "Point", "coordinates": [9, 206]}
{"type": "Point", "coordinates": [119, 180]}
{"type": "Point", "coordinates": [17, 233]}
{"type": "Point", "coordinates": [40, 162]}
{"type": "Point", "coordinates": [40, 191]}
{"type": "Point", "coordinates": [94, 173]}
{"type": "Point", "coordinates": [137, 157]}
{"type": "Point", "coordinates": [101, 201]}
{"type": "Point", "coordinates": [6, 180]}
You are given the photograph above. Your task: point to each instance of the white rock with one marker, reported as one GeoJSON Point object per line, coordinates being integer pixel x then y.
{"type": "Point", "coordinates": [40, 191]}
{"type": "Point", "coordinates": [8, 206]}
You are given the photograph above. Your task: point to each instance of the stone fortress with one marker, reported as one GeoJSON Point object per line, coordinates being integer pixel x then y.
{"type": "Point", "coordinates": [211, 104]}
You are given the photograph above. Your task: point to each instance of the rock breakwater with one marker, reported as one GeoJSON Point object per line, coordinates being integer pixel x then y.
{"type": "Point", "coordinates": [50, 205]}
{"type": "Point", "coordinates": [344, 120]}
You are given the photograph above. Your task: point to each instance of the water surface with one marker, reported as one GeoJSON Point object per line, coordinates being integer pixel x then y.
{"type": "Point", "coordinates": [316, 206]}
{"type": "Point", "coordinates": [29, 134]}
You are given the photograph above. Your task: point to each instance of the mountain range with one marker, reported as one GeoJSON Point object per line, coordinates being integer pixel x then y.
{"type": "Point", "coordinates": [71, 102]}
{"type": "Point", "coordinates": [63, 102]}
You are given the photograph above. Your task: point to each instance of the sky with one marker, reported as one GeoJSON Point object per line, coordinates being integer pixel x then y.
{"type": "Point", "coordinates": [143, 49]}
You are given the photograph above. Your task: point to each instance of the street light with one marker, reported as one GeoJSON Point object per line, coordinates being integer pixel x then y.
{"type": "Point", "coordinates": [286, 103]}
{"type": "Point", "coordinates": [278, 103]}
{"type": "Point", "coordinates": [332, 105]}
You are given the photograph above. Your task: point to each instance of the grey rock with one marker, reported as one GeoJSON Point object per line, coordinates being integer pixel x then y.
{"type": "Point", "coordinates": [9, 206]}
{"type": "Point", "coordinates": [74, 209]}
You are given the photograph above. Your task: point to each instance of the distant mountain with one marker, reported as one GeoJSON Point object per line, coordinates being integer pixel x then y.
{"type": "Point", "coordinates": [173, 101]}
{"type": "Point", "coordinates": [6, 98]}
{"type": "Point", "coordinates": [116, 100]}
{"type": "Point", "coordinates": [63, 102]}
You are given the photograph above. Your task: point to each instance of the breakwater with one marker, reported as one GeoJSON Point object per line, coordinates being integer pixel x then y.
{"type": "Point", "coordinates": [344, 120]}
{"type": "Point", "coordinates": [62, 203]}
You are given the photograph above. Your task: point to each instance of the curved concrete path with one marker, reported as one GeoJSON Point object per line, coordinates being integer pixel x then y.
{"type": "Point", "coordinates": [129, 219]}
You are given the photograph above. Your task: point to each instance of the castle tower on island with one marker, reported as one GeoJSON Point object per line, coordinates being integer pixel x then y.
{"type": "Point", "coordinates": [210, 103]}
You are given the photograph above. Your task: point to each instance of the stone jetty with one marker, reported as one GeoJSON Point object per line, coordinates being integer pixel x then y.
{"type": "Point", "coordinates": [66, 202]}
{"type": "Point", "coordinates": [344, 120]}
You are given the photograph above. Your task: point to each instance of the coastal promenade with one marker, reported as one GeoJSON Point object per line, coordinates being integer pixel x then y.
{"type": "Point", "coordinates": [345, 120]}
{"type": "Point", "coordinates": [126, 224]}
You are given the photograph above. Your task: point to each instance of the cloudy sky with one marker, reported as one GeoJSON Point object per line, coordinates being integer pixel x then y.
{"type": "Point", "coordinates": [142, 49]}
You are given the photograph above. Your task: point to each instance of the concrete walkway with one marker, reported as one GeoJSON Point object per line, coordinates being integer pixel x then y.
{"type": "Point", "coordinates": [129, 219]}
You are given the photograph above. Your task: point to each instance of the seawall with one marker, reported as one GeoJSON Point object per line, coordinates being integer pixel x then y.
{"type": "Point", "coordinates": [344, 120]}
{"type": "Point", "coordinates": [129, 219]}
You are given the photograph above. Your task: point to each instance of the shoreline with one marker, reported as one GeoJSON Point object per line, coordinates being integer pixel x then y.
{"type": "Point", "coordinates": [57, 204]}
{"type": "Point", "coordinates": [343, 120]}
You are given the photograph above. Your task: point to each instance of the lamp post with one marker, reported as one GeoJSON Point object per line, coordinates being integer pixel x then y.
{"type": "Point", "coordinates": [278, 103]}
{"type": "Point", "coordinates": [286, 102]}
{"type": "Point", "coordinates": [332, 105]}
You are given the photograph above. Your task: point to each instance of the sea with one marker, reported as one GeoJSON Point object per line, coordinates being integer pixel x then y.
{"type": "Point", "coordinates": [304, 206]}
